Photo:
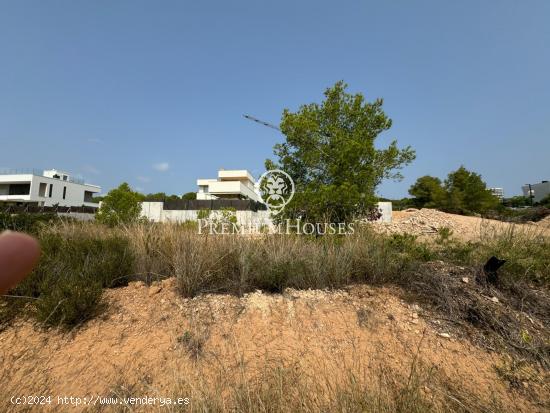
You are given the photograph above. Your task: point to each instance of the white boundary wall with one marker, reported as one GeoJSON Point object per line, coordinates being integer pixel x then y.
{"type": "Point", "coordinates": [154, 211]}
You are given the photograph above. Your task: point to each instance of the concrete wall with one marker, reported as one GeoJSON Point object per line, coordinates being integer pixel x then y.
{"type": "Point", "coordinates": [154, 212]}
{"type": "Point", "coordinates": [386, 210]}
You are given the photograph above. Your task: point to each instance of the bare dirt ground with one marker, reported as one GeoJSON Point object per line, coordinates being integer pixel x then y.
{"type": "Point", "coordinates": [140, 344]}
{"type": "Point", "coordinates": [426, 223]}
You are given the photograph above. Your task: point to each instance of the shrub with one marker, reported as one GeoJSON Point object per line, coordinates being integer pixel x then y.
{"type": "Point", "coordinates": [71, 274]}
{"type": "Point", "coordinates": [120, 206]}
{"type": "Point", "coordinates": [25, 222]}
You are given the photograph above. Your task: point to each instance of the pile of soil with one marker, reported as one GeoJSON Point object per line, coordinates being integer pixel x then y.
{"type": "Point", "coordinates": [427, 222]}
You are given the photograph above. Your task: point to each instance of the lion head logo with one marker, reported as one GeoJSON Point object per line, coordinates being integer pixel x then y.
{"type": "Point", "coordinates": [276, 189]}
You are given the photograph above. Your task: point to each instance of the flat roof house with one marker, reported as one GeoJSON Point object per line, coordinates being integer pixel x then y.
{"type": "Point", "coordinates": [537, 191]}
{"type": "Point", "coordinates": [45, 188]}
{"type": "Point", "coordinates": [234, 184]}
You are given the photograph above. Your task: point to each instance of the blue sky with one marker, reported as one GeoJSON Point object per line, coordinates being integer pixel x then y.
{"type": "Point", "coordinates": [153, 93]}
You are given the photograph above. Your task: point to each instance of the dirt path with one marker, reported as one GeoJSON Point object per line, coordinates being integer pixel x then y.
{"type": "Point", "coordinates": [150, 339]}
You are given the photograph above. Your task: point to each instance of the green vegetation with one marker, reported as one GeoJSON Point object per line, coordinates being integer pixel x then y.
{"type": "Point", "coordinates": [428, 192]}
{"type": "Point", "coordinates": [545, 202]}
{"type": "Point", "coordinates": [74, 268]}
{"type": "Point", "coordinates": [189, 196]}
{"type": "Point", "coordinates": [23, 222]}
{"type": "Point", "coordinates": [463, 192]}
{"type": "Point", "coordinates": [517, 202]}
{"type": "Point", "coordinates": [331, 155]}
{"type": "Point", "coordinates": [158, 197]}
{"type": "Point", "coordinates": [79, 259]}
{"type": "Point", "coordinates": [120, 206]}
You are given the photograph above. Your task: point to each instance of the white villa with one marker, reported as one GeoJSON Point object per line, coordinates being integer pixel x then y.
{"type": "Point", "coordinates": [235, 184]}
{"type": "Point", "coordinates": [45, 188]}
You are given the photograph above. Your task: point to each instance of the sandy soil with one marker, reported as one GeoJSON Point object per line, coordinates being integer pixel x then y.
{"type": "Point", "coordinates": [426, 223]}
{"type": "Point", "coordinates": [136, 343]}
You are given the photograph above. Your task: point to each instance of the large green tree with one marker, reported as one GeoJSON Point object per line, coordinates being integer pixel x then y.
{"type": "Point", "coordinates": [466, 192]}
{"type": "Point", "coordinates": [428, 192]}
{"type": "Point", "coordinates": [120, 206]}
{"type": "Point", "coordinates": [330, 154]}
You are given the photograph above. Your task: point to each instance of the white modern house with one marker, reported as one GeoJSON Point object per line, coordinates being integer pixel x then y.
{"type": "Point", "coordinates": [234, 184]}
{"type": "Point", "coordinates": [498, 192]}
{"type": "Point", "coordinates": [45, 188]}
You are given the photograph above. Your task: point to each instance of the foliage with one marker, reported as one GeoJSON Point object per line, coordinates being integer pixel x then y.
{"type": "Point", "coordinates": [520, 215]}
{"type": "Point", "coordinates": [120, 206]}
{"type": "Point", "coordinates": [330, 154]}
{"type": "Point", "coordinates": [203, 214]}
{"type": "Point", "coordinates": [400, 204]}
{"type": "Point", "coordinates": [517, 201]}
{"type": "Point", "coordinates": [25, 222]}
{"type": "Point", "coordinates": [466, 192]}
{"type": "Point", "coordinates": [545, 202]}
{"type": "Point", "coordinates": [189, 196]}
{"type": "Point", "coordinates": [159, 197]}
{"type": "Point", "coordinates": [71, 274]}
{"type": "Point", "coordinates": [463, 192]}
{"type": "Point", "coordinates": [427, 192]}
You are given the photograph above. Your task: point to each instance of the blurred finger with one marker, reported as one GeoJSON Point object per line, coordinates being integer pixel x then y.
{"type": "Point", "coordinates": [19, 254]}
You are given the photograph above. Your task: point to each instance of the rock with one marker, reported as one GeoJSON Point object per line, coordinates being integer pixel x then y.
{"type": "Point", "coordinates": [494, 299]}
{"type": "Point", "coordinates": [444, 335]}
{"type": "Point", "coordinates": [414, 315]}
{"type": "Point", "coordinates": [154, 289]}
{"type": "Point", "coordinates": [465, 280]}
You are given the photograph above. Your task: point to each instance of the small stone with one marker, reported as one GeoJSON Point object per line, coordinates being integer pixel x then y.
{"type": "Point", "coordinates": [155, 289]}
{"type": "Point", "coordinates": [444, 335]}
{"type": "Point", "coordinates": [414, 321]}
{"type": "Point", "coordinates": [525, 384]}
{"type": "Point", "coordinates": [414, 315]}
{"type": "Point", "coordinates": [494, 299]}
{"type": "Point", "coordinates": [465, 280]}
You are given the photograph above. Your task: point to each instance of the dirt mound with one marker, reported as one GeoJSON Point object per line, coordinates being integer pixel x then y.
{"type": "Point", "coordinates": [428, 222]}
{"type": "Point", "coordinates": [150, 338]}
{"type": "Point", "coordinates": [545, 222]}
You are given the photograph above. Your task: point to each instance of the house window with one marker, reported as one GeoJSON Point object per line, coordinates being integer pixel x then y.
{"type": "Point", "coordinates": [42, 189]}
{"type": "Point", "coordinates": [88, 196]}
{"type": "Point", "coordinates": [19, 189]}
{"type": "Point", "coordinates": [64, 192]}
{"type": "Point", "coordinates": [51, 190]}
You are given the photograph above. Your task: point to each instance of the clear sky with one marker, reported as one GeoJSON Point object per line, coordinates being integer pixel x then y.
{"type": "Point", "coordinates": [153, 92]}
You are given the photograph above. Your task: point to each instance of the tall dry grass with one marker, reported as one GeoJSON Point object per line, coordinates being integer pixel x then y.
{"type": "Point", "coordinates": [79, 259]}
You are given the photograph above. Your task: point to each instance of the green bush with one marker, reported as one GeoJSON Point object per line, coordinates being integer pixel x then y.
{"type": "Point", "coordinates": [71, 274]}
{"type": "Point", "coordinates": [25, 222]}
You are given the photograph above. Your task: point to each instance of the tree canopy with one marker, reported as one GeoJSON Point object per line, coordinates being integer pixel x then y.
{"type": "Point", "coordinates": [120, 206]}
{"type": "Point", "coordinates": [427, 192]}
{"type": "Point", "coordinates": [330, 154]}
{"type": "Point", "coordinates": [462, 192]}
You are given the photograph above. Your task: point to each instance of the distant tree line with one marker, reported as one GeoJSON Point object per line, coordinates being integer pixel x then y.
{"type": "Point", "coordinates": [462, 192]}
